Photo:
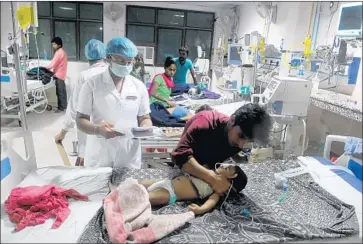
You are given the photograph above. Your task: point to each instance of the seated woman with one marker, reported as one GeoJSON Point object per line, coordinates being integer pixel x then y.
{"type": "Point", "coordinates": [160, 90]}
{"type": "Point", "coordinates": [185, 188]}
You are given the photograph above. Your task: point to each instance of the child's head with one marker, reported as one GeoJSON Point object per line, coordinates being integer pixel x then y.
{"type": "Point", "coordinates": [235, 174]}
{"type": "Point", "coordinates": [204, 107]}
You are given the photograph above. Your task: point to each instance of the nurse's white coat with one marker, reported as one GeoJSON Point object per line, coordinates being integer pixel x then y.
{"type": "Point", "coordinates": [100, 100]}
{"type": "Point", "coordinates": [71, 112]}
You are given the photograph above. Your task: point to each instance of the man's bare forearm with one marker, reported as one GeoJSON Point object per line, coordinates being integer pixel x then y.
{"type": "Point", "coordinates": [85, 125]}
{"type": "Point", "coordinates": [192, 167]}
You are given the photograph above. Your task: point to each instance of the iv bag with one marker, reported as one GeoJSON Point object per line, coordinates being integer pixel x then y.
{"type": "Point", "coordinates": [24, 15]}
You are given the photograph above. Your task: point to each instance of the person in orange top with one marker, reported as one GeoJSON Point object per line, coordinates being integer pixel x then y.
{"type": "Point", "coordinates": [59, 67]}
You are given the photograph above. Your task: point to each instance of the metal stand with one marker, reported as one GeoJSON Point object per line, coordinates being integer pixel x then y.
{"type": "Point", "coordinates": [24, 123]}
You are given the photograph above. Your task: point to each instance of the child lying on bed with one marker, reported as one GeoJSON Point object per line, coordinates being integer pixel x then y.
{"type": "Point", "coordinates": [184, 188]}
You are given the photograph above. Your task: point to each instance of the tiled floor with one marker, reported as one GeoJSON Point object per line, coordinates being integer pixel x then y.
{"type": "Point", "coordinates": [44, 127]}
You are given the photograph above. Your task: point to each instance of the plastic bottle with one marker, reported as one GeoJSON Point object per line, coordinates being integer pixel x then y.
{"type": "Point", "coordinates": [301, 69]}
{"type": "Point", "coordinates": [45, 55]}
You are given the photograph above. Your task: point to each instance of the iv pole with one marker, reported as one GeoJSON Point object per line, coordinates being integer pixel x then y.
{"type": "Point", "coordinates": [24, 123]}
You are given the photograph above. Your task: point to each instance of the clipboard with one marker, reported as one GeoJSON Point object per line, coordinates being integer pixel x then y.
{"type": "Point", "coordinates": [63, 155]}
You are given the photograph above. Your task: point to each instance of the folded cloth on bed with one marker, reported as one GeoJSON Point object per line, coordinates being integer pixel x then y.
{"type": "Point", "coordinates": [180, 89]}
{"type": "Point", "coordinates": [45, 75]}
{"type": "Point", "coordinates": [182, 97]}
{"type": "Point", "coordinates": [161, 117]}
{"type": "Point", "coordinates": [205, 94]}
{"type": "Point", "coordinates": [33, 205]}
{"type": "Point", "coordinates": [353, 145]}
{"type": "Point", "coordinates": [179, 112]}
{"type": "Point", "coordinates": [129, 218]}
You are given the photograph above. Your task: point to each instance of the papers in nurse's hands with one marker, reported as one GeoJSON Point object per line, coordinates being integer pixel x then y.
{"type": "Point", "coordinates": [132, 132]}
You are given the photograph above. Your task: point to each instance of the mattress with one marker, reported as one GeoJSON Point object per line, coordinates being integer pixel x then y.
{"type": "Point", "coordinates": [91, 182]}
{"type": "Point", "coordinates": [308, 213]}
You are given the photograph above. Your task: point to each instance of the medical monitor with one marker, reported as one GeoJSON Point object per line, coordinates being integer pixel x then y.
{"type": "Point", "coordinates": [234, 54]}
{"type": "Point", "coordinates": [350, 20]}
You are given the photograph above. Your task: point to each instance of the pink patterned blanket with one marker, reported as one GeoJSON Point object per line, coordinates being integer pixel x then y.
{"type": "Point", "coordinates": [129, 218]}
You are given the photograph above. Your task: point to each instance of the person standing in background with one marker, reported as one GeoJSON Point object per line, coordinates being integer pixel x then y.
{"type": "Point", "coordinates": [183, 65]}
{"type": "Point", "coordinates": [59, 67]}
{"type": "Point", "coordinates": [95, 52]}
{"type": "Point", "coordinates": [138, 71]}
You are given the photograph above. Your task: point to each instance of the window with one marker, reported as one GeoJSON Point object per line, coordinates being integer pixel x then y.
{"type": "Point", "coordinates": [75, 22]}
{"type": "Point", "coordinates": [168, 29]}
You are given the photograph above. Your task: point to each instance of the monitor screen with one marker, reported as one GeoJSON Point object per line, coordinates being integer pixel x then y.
{"type": "Point", "coordinates": [234, 56]}
{"type": "Point", "coordinates": [351, 18]}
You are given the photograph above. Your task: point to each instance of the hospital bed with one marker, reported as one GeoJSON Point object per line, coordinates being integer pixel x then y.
{"type": "Point", "coordinates": [18, 171]}
{"type": "Point", "coordinates": [22, 171]}
{"type": "Point", "coordinates": [34, 92]}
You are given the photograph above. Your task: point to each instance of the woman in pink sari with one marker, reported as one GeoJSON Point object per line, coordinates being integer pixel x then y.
{"type": "Point", "coordinates": [161, 85]}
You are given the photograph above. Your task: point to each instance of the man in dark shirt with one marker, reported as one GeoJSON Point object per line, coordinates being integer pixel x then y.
{"type": "Point", "coordinates": [211, 137]}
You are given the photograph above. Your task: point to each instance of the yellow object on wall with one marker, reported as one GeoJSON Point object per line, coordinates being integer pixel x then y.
{"type": "Point", "coordinates": [25, 16]}
{"type": "Point", "coordinates": [261, 49]}
{"type": "Point", "coordinates": [307, 48]}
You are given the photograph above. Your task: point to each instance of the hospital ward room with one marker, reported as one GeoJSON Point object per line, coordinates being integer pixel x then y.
{"type": "Point", "coordinates": [181, 122]}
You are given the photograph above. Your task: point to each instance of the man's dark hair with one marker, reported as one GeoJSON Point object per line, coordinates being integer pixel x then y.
{"type": "Point", "coordinates": [255, 123]}
{"type": "Point", "coordinates": [240, 182]}
{"type": "Point", "coordinates": [58, 41]}
{"type": "Point", "coordinates": [185, 49]}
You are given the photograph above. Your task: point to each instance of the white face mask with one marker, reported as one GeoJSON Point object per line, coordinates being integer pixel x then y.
{"type": "Point", "coordinates": [121, 70]}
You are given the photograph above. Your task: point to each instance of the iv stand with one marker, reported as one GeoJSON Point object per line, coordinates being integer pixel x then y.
{"type": "Point", "coordinates": [24, 123]}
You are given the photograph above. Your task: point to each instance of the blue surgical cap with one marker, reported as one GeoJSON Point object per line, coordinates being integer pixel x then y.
{"type": "Point", "coordinates": [121, 46]}
{"type": "Point", "coordinates": [94, 50]}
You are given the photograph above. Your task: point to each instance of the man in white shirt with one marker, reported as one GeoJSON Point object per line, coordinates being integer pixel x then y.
{"type": "Point", "coordinates": [114, 97]}
{"type": "Point", "coordinates": [95, 53]}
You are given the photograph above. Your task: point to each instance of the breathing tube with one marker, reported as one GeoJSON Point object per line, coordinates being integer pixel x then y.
{"type": "Point", "coordinates": [225, 165]}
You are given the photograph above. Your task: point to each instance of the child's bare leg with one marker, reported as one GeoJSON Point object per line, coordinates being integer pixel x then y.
{"type": "Point", "coordinates": [159, 197]}
{"type": "Point", "coordinates": [147, 183]}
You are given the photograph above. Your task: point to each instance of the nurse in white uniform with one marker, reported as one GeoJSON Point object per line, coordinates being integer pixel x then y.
{"type": "Point", "coordinates": [95, 52]}
{"type": "Point", "coordinates": [113, 96]}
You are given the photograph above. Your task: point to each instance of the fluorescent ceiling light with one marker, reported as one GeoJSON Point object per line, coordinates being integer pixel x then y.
{"type": "Point", "coordinates": [66, 8]}
{"type": "Point", "coordinates": [179, 15]}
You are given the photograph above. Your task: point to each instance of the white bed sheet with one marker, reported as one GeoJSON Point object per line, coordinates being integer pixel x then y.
{"type": "Point", "coordinates": [88, 181]}
{"type": "Point", "coordinates": [197, 103]}
{"type": "Point", "coordinates": [230, 108]}
{"type": "Point", "coordinates": [33, 84]}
